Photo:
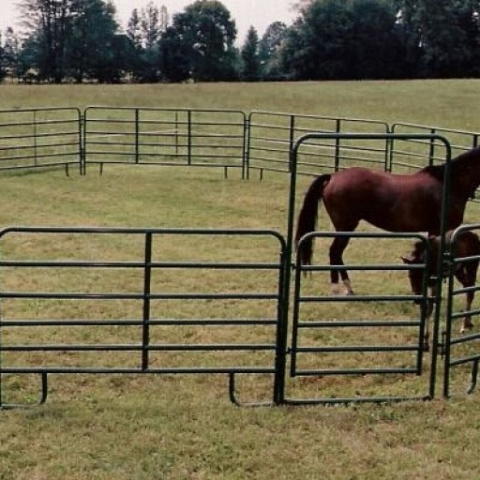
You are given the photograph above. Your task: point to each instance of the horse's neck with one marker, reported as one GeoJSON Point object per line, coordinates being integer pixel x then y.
{"type": "Point", "coordinates": [465, 174]}
{"type": "Point", "coordinates": [464, 182]}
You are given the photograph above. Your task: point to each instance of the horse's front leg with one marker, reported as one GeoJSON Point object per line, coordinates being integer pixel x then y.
{"type": "Point", "coordinates": [337, 248]}
{"type": "Point", "coordinates": [467, 321]}
{"type": "Point", "coordinates": [428, 306]}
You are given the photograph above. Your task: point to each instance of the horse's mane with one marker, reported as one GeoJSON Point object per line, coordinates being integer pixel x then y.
{"type": "Point", "coordinates": [435, 171]}
{"type": "Point", "coordinates": [456, 164]}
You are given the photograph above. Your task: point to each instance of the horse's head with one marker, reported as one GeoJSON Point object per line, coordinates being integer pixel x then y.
{"type": "Point", "coordinates": [415, 275]}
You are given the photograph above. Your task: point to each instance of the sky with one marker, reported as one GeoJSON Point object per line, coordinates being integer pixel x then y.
{"type": "Point", "coordinates": [259, 13]}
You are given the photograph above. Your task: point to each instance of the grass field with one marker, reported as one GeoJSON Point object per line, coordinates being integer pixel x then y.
{"type": "Point", "coordinates": [181, 426]}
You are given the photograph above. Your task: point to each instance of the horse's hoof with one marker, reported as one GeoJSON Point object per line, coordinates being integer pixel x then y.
{"type": "Point", "coordinates": [335, 289]}
{"type": "Point", "coordinates": [348, 288]}
{"type": "Point", "coordinates": [466, 328]}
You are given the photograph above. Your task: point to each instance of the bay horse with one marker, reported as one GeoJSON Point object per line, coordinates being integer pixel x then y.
{"type": "Point", "coordinates": [391, 202]}
{"type": "Point", "coordinates": [466, 245]}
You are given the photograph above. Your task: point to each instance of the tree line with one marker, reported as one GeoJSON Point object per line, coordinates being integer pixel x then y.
{"type": "Point", "coordinates": [81, 40]}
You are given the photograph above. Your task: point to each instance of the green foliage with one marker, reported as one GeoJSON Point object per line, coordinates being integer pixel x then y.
{"type": "Point", "coordinates": [94, 24]}
{"type": "Point", "coordinates": [447, 30]}
{"type": "Point", "coordinates": [442, 37]}
{"type": "Point", "coordinates": [144, 31]}
{"type": "Point", "coordinates": [269, 51]}
{"type": "Point", "coordinates": [203, 38]}
{"type": "Point", "coordinates": [250, 57]}
{"type": "Point", "coordinates": [76, 40]}
{"type": "Point", "coordinates": [343, 40]}
{"type": "Point", "coordinates": [64, 35]}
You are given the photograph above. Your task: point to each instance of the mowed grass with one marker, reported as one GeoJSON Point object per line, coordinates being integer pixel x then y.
{"type": "Point", "coordinates": [183, 426]}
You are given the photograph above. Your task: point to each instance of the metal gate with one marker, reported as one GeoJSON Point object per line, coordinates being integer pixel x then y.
{"type": "Point", "coordinates": [319, 338]}
{"type": "Point", "coordinates": [67, 312]}
{"type": "Point", "coordinates": [460, 346]}
{"type": "Point", "coordinates": [349, 345]}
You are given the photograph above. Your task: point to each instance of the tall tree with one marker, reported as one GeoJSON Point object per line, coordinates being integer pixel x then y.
{"type": "Point", "coordinates": [49, 23]}
{"type": "Point", "coordinates": [3, 63]}
{"type": "Point", "coordinates": [408, 34]}
{"type": "Point", "coordinates": [92, 41]}
{"type": "Point", "coordinates": [70, 37]}
{"type": "Point", "coordinates": [441, 38]}
{"type": "Point", "coordinates": [250, 57]}
{"type": "Point", "coordinates": [343, 39]}
{"type": "Point", "coordinates": [11, 48]}
{"type": "Point", "coordinates": [203, 35]}
{"type": "Point", "coordinates": [269, 51]}
{"type": "Point", "coordinates": [134, 29]}
{"type": "Point", "coordinates": [151, 26]}
{"type": "Point", "coordinates": [374, 47]}
{"type": "Point", "coordinates": [449, 33]}
{"type": "Point", "coordinates": [145, 30]}
{"type": "Point", "coordinates": [175, 56]}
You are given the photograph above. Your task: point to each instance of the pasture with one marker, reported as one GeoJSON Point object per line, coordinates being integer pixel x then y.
{"type": "Point", "coordinates": [184, 427]}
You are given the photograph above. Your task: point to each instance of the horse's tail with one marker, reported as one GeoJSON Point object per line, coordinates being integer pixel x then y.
{"type": "Point", "coordinates": [307, 219]}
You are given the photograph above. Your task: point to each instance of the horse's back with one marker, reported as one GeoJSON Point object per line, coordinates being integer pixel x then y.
{"type": "Point", "coordinates": [388, 201]}
{"type": "Point", "coordinates": [467, 244]}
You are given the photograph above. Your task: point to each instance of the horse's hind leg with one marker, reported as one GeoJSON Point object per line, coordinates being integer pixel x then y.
{"type": "Point", "coordinates": [467, 275]}
{"type": "Point", "coordinates": [337, 248]}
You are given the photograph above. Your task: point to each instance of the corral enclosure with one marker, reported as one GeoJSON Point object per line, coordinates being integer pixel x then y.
{"type": "Point", "coordinates": [178, 427]}
{"type": "Point", "coordinates": [212, 299]}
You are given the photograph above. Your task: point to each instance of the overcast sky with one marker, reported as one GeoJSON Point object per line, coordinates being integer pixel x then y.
{"type": "Point", "coordinates": [259, 13]}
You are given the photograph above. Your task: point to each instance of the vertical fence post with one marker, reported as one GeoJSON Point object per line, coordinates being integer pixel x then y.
{"type": "Point", "coordinates": [147, 278]}
{"type": "Point", "coordinates": [444, 254]}
{"type": "Point", "coordinates": [35, 146]}
{"type": "Point", "coordinates": [291, 140]}
{"type": "Point", "coordinates": [431, 151]}
{"type": "Point", "coordinates": [282, 335]}
{"type": "Point", "coordinates": [338, 127]}
{"type": "Point", "coordinates": [176, 133]}
{"type": "Point", "coordinates": [389, 150]}
{"type": "Point", "coordinates": [137, 135]}
{"type": "Point", "coordinates": [189, 141]}
{"type": "Point", "coordinates": [246, 147]}
{"type": "Point", "coordinates": [82, 127]}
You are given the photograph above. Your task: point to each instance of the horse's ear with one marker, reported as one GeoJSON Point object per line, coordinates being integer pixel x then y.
{"type": "Point", "coordinates": [407, 260]}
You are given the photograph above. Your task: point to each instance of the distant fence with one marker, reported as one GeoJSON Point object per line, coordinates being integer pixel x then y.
{"type": "Point", "coordinates": [183, 137]}
{"type": "Point", "coordinates": [256, 142]}
{"type": "Point", "coordinates": [271, 137]}
{"type": "Point", "coordinates": [40, 138]}
{"type": "Point", "coordinates": [417, 151]}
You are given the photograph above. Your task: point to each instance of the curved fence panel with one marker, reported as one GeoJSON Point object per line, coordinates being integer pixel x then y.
{"type": "Point", "coordinates": [40, 138]}
{"type": "Point", "coordinates": [158, 136]}
{"type": "Point", "coordinates": [272, 135]}
{"type": "Point", "coordinates": [409, 154]}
